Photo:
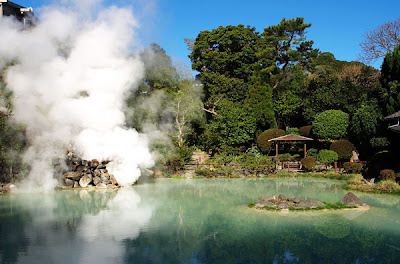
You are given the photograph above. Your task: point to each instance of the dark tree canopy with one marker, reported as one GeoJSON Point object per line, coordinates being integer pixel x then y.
{"type": "Point", "coordinates": [390, 81]}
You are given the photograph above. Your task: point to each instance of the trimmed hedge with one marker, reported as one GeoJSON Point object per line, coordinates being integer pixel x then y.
{"type": "Point", "coordinates": [262, 140]}
{"type": "Point", "coordinates": [351, 167]}
{"type": "Point", "coordinates": [327, 156]}
{"type": "Point", "coordinates": [330, 124]}
{"type": "Point", "coordinates": [343, 148]}
{"type": "Point", "coordinates": [309, 163]}
{"type": "Point", "coordinates": [387, 175]}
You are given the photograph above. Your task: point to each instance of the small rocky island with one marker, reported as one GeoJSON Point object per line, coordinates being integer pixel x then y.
{"type": "Point", "coordinates": [297, 203]}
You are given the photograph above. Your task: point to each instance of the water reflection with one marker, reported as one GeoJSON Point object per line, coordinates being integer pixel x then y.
{"type": "Point", "coordinates": [197, 221]}
{"type": "Point", "coordinates": [70, 226]}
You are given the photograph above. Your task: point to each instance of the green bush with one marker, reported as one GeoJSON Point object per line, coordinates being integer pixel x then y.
{"type": "Point", "coordinates": [379, 142]}
{"type": "Point", "coordinates": [312, 152]}
{"type": "Point", "coordinates": [284, 157]}
{"type": "Point", "coordinates": [205, 172]}
{"type": "Point", "coordinates": [351, 167]}
{"type": "Point", "coordinates": [309, 163]}
{"type": "Point", "coordinates": [387, 186]}
{"type": "Point", "coordinates": [330, 124]}
{"type": "Point", "coordinates": [262, 140]}
{"type": "Point", "coordinates": [305, 131]}
{"type": "Point", "coordinates": [327, 156]}
{"type": "Point", "coordinates": [292, 130]}
{"type": "Point", "coordinates": [343, 148]}
{"type": "Point", "coordinates": [387, 175]}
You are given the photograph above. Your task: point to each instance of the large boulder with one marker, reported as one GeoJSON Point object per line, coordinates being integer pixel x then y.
{"type": "Point", "coordinates": [282, 205]}
{"type": "Point", "coordinates": [282, 197]}
{"type": "Point", "coordinates": [69, 183]}
{"type": "Point", "coordinates": [74, 175]}
{"type": "Point", "coordinates": [350, 199]}
{"type": "Point", "coordinates": [309, 204]}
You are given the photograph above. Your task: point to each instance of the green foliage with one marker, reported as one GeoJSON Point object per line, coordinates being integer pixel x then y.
{"type": "Point", "coordinates": [390, 81]}
{"type": "Point", "coordinates": [284, 157]}
{"type": "Point", "coordinates": [305, 131]}
{"type": "Point", "coordinates": [251, 204]}
{"type": "Point", "coordinates": [262, 140]}
{"type": "Point", "coordinates": [205, 172]}
{"type": "Point", "coordinates": [387, 174]}
{"type": "Point", "coordinates": [312, 152]}
{"type": "Point", "coordinates": [309, 163]}
{"type": "Point", "coordinates": [343, 148]}
{"type": "Point", "coordinates": [388, 186]}
{"type": "Point", "coordinates": [292, 130]}
{"type": "Point", "coordinates": [327, 156]}
{"type": "Point", "coordinates": [351, 167]}
{"type": "Point", "coordinates": [331, 124]}
{"type": "Point", "coordinates": [231, 127]}
{"type": "Point", "coordinates": [379, 142]}
{"type": "Point", "coordinates": [365, 121]}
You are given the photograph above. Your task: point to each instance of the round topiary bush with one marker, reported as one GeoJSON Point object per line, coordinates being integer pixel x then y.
{"type": "Point", "coordinates": [343, 148]}
{"type": "Point", "coordinates": [292, 130]}
{"type": "Point", "coordinates": [305, 131]}
{"type": "Point", "coordinates": [387, 175]}
{"type": "Point", "coordinates": [327, 156]}
{"type": "Point", "coordinates": [351, 167]}
{"type": "Point", "coordinates": [262, 139]}
{"type": "Point", "coordinates": [330, 124]}
{"type": "Point", "coordinates": [312, 152]}
{"type": "Point", "coordinates": [309, 163]}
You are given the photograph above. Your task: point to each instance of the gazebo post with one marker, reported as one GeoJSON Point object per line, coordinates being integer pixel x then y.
{"type": "Point", "coordinates": [305, 150]}
{"type": "Point", "coordinates": [276, 149]}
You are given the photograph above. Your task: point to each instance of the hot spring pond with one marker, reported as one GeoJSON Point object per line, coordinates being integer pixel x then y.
{"type": "Point", "coordinates": [196, 221]}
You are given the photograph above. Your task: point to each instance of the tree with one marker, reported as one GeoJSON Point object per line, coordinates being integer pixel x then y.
{"type": "Point", "coordinates": [327, 156]}
{"type": "Point", "coordinates": [330, 124]}
{"type": "Point", "coordinates": [379, 42]}
{"type": "Point", "coordinates": [390, 81]}
{"type": "Point", "coordinates": [365, 121]}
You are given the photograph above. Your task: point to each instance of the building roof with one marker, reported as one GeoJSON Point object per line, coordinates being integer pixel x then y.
{"type": "Point", "coordinates": [290, 138]}
{"type": "Point", "coordinates": [393, 116]}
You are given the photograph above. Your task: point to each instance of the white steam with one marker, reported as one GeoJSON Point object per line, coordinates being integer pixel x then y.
{"type": "Point", "coordinates": [69, 84]}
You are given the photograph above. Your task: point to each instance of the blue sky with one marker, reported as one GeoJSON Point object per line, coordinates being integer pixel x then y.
{"type": "Point", "coordinates": [337, 26]}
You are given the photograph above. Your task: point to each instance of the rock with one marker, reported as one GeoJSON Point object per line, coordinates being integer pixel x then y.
{"type": "Point", "coordinates": [101, 185]}
{"type": "Point", "coordinates": [94, 163]}
{"type": "Point", "coordinates": [96, 180]}
{"type": "Point", "coordinates": [113, 180]}
{"type": "Point", "coordinates": [76, 184]}
{"type": "Point", "coordinates": [309, 204]}
{"type": "Point", "coordinates": [282, 197]}
{"type": "Point", "coordinates": [350, 199]}
{"type": "Point", "coordinates": [297, 199]}
{"type": "Point", "coordinates": [282, 205]}
{"type": "Point", "coordinates": [266, 199]}
{"type": "Point", "coordinates": [69, 183]}
{"type": "Point", "coordinates": [96, 173]}
{"type": "Point", "coordinates": [85, 180]}
{"type": "Point", "coordinates": [101, 166]}
{"type": "Point", "coordinates": [264, 203]}
{"type": "Point", "coordinates": [75, 175]}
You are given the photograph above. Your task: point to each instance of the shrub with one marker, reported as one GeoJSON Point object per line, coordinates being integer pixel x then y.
{"type": "Point", "coordinates": [387, 175]}
{"type": "Point", "coordinates": [343, 148]}
{"type": "Point", "coordinates": [305, 131]}
{"type": "Point", "coordinates": [327, 156]}
{"type": "Point", "coordinates": [312, 152]}
{"type": "Point", "coordinates": [284, 157]}
{"type": "Point", "coordinates": [292, 130]}
{"type": "Point", "coordinates": [356, 179]}
{"type": "Point", "coordinates": [351, 167]}
{"type": "Point", "coordinates": [330, 124]}
{"type": "Point", "coordinates": [388, 186]}
{"type": "Point", "coordinates": [205, 172]}
{"type": "Point", "coordinates": [379, 142]}
{"type": "Point", "coordinates": [309, 163]}
{"type": "Point", "coordinates": [262, 140]}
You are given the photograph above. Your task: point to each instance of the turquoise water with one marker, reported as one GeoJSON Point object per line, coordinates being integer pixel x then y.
{"type": "Point", "coordinates": [196, 221]}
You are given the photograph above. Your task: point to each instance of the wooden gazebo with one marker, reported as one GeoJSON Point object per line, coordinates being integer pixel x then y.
{"type": "Point", "coordinates": [288, 139]}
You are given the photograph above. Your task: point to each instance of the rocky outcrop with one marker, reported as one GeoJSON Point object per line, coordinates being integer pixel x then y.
{"type": "Point", "coordinates": [283, 203]}
{"type": "Point", "coordinates": [350, 199]}
{"type": "Point", "coordinates": [87, 173]}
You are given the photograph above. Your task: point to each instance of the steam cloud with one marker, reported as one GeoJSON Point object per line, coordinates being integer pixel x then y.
{"type": "Point", "coordinates": [69, 84]}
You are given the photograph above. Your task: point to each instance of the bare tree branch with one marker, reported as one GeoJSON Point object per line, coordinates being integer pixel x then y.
{"type": "Point", "coordinates": [380, 41]}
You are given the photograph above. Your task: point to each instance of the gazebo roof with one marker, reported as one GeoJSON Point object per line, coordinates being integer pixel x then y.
{"type": "Point", "coordinates": [393, 116]}
{"type": "Point", "coordinates": [290, 138]}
